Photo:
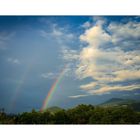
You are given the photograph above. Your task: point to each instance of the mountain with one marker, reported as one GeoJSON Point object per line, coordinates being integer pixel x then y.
{"type": "Point", "coordinates": [122, 102]}
{"type": "Point", "coordinates": [116, 101]}
{"type": "Point", "coordinates": [54, 109]}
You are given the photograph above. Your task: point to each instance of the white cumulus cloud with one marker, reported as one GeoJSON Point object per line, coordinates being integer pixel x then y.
{"type": "Point", "coordinates": [112, 55]}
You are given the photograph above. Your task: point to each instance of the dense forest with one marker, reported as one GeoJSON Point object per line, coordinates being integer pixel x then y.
{"type": "Point", "coordinates": [81, 114]}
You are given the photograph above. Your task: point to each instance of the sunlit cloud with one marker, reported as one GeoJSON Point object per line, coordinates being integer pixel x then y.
{"type": "Point", "coordinates": [107, 88]}
{"type": "Point", "coordinates": [88, 86]}
{"type": "Point", "coordinates": [107, 58]}
{"type": "Point", "coordinates": [78, 96]}
{"type": "Point", "coordinates": [95, 36]}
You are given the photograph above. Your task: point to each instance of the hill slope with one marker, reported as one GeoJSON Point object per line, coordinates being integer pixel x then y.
{"type": "Point", "coordinates": [122, 102]}
{"type": "Point", "coordinates": [116, 101]}
{"type": "Point", "coordinates": [54, 109]}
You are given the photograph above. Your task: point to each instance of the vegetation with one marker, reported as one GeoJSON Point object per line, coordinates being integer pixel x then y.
{"type": "Point", "coordinates": [81, 114]}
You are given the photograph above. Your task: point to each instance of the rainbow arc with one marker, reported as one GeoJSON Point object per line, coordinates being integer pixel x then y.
{"type": "Point", "coordinates": [53, 89]}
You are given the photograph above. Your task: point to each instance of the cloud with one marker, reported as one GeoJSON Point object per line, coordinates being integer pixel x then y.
{"type": "Point", "coordinates": [69, 54]}
{"type": "Point", "coordinates": [98, 20]}
{"type": "Point", "coordinates": [55, 75]}
{"type": "Point", "coordinates": [43, 33]}
{"type": "Point", "coordinates": [87, 24]}
{"type": "Point", "coordinates": [105, 89]}
{"type": "Point", "coordinates": [124, 32]}
{"type": "Point", "coordinates": [60, 34]}
{"type": "Point", "coordinates": [49, 75]}
{"type": "Point", "coordinates": [126, 75]}
{"type": "Point", "coordinates": [88, 86]}
{"type": "Point", "coordinates": [78, 96]}
{"type": "Point", "coordinates": [14, 61]}
{"type": "Point", "coordinates": [108, 88]}
{"type": "Point", "coordinates": [95, 36]}
{"type": "Point", "coordinates": [4, 35]}
{"type": "Point", "coordinates": [4, 38]}
{"type": "Point", "coordinates": [111, 55]}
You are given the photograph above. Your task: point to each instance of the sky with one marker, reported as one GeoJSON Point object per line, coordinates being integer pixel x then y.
{"type": "Point", "coordinates": [99, 57]}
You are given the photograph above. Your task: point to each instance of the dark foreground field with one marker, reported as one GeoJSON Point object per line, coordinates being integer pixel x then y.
{"type": "Point", "coordinates": [81, 114]}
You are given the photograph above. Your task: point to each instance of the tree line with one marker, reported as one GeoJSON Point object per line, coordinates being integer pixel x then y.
{"type": "Point", "coordinates": [81, 114]}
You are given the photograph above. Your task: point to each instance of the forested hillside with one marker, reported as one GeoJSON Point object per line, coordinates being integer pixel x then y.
{"type": "Point", "coordinates": [81, 114]}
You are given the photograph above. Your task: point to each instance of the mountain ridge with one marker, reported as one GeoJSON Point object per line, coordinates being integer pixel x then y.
{"type": "Point", "coordinates": [134, 104]}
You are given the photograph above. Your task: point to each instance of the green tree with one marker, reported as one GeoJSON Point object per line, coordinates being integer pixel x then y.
{"type": "Point", "coordinates": [61, 117]}
{"type": "Point", "coordinates": [80, 114]}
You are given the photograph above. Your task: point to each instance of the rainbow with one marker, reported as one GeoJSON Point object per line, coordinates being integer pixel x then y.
{"type": "Point", "coordinates": [53, 89]}
{"type": "Point", "coordinates": [20, 85]}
